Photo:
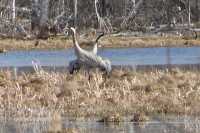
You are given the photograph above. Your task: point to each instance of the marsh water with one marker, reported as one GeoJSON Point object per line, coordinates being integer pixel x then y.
{"type": "Point", "coordinates": [156, 125]}
{"type": "Point", "coordinates": [118, 56]}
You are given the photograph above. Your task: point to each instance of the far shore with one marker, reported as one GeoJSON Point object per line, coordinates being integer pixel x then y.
{"type": "Point", "coordinates": [59, 43]}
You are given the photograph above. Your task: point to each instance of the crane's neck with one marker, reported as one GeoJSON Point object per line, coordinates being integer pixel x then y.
{"type": "Point", "coordinates": [75, 40]}
{"type": "Point", "coordinates": [78, 50]}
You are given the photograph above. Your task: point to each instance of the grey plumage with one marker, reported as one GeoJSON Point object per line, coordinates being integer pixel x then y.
{"type": "Point", "coordinates": [87, 59]}
{"type": "Point", "coordinates": [95, 47]}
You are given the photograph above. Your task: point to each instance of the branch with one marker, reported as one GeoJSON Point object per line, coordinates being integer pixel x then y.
{"type": "Point", "coordinates": [103, 25]}
{"type": "Point", "coordinates": [20, 9]}
{"type": "Point", "coordinates": [132, 12]}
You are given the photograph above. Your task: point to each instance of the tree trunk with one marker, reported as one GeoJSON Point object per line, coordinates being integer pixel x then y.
{"type": "Point", "coordinates": [13, 11]}
{"type": "Point", "coordinates": [103, 9]}
{"type": "Point", "coordinates": [97, 13]}
{"type": "Point", "coordinates": [133, 1]}
{"type": "Point", "coordinates": [63, 5]}
{"type": "Point", "coordinates": [75, 13]}
{"type": "Point", "coordinates": [44, 12]}
{"type": "Point", "coordinates": [44, 30]}
{"type": "Point", "coordinates": [197, 10]}
{"type": "Point", "coordinates": [132, 13]}
{"type": "Point", "coordinates": [35, 15]}
{"type": "Point", "coordinates": [189, 14]}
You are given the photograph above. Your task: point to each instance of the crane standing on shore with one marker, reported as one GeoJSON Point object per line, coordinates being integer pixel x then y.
{"type": "Point", "coordinates": [87, 59]}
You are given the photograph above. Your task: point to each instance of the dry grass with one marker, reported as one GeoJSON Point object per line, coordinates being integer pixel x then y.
{"type": "Point", "coordinates": [125, 93]}
{"type": "Point", "coordinates": [107, 41]}
{"type": "Point", "coordinates": [50, 44]}
{"type": "Point", "coordinates": [148, 42]}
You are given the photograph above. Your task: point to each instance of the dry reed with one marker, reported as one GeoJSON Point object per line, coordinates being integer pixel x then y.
{"type": "Point", "coordinates": [107, 41]}
{"type": "Point", "coordinates": [126, 93]}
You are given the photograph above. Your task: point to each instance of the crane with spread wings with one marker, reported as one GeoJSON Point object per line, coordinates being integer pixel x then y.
{"type": "Point", "coordinates": [88, 59]}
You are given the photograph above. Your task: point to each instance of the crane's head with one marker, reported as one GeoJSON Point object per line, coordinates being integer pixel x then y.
{"type": "Point", "coordinates": [71, 31]}
{"type": "Point", "coordinates": [67, 30]}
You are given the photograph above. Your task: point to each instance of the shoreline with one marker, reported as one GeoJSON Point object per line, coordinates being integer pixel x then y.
{"type": "Point", "coordinates": [106, 42]}
{"type": "Point", "coordinates": [134, 68]}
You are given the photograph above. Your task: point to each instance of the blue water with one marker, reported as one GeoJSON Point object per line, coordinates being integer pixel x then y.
{"type": "Point", "coordinates": [118, 56]}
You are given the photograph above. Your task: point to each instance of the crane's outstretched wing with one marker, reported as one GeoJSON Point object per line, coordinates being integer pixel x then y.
{"type": "Point", "coordinates": [95, 47]}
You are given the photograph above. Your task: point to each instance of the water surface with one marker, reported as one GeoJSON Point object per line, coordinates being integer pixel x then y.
{"type": "Point", "coordinates": [172, 125]}
{"type": "Point", "coordinates": [118, 56]}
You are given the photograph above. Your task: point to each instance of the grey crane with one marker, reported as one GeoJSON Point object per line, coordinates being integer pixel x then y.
{"type": "Point", "coordinates": [87, 59]}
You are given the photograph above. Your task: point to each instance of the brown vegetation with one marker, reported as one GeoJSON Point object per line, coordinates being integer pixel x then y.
{"type": "Point", "coordinates": [107, 41]}
{"type": "Point", "coordinates": [110, 98]}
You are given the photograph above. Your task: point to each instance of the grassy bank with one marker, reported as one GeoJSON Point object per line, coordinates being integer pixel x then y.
{"type": "Point", "coordinates": [109, 98]}
{"type": "Point", "coordinates": [107, 41]}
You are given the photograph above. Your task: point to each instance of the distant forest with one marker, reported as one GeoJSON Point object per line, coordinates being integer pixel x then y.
{"type": "Point", "coordinates": [107, 15]}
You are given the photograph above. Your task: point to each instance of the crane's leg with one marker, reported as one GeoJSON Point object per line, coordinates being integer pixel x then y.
{"type": "Point", "coordinates": [88, 73]}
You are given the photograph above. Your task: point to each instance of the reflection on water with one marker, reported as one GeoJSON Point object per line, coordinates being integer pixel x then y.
{"type": "Point", "coordinates": [184, 125]}
{"type": "Point", "coordinates": [122, 56]}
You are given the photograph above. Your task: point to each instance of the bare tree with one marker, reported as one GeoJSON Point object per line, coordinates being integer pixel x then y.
{"type": "Point", "coordinates": [197, 10]}
{"type": "Point", "coordinates": [13, 11]}
{"type": "Point", "coordinates": [63, 5]}
{"type": "Point", "coordinates": [132, 12]}
{"type": "Point", "coordinates": [75, 12]}
{"type": "Point", "coordinates": [40, 18]}
{"type": "Point", "coordinates": [189, 14]}
{"type": "Point", "coordinates": [44, 12]}
{"type": "Point", "coordinates": [35, 14]}
{"type": "Point", "coordinates": [104, 25]}
{"type": "Point", "coordinates": [105, 15]}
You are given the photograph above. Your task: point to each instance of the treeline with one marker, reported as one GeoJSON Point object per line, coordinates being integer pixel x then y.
{"type": "Point", "coordinates": [107, 15]}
